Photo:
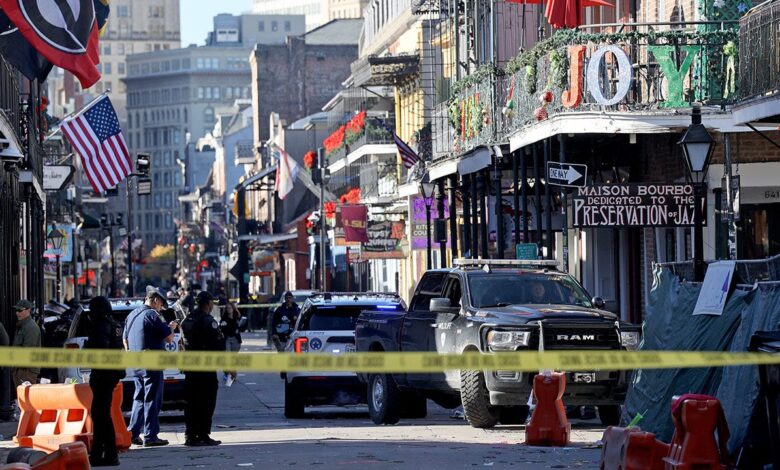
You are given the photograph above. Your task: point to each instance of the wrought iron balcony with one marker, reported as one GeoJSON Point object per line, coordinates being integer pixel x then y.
{"type": "Point", "coordinates": [759, 43]}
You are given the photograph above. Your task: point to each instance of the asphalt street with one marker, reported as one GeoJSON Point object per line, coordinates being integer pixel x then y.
{"type": "Point", "coordinates": [249, 421]}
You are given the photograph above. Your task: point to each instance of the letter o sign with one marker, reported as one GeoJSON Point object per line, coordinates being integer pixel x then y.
{"type": "Point", "coordinates": [624, 75]}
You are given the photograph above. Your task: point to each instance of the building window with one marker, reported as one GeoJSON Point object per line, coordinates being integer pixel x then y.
{"type": "Point", "coordinates": [108, 85]}
{"type": "Point", "coordinates": [157, 219]}
{"type": "Point", "coordinates": [201, 94]}
{"type": "Point", "coordinates": [228, 93]}
{"type": "Point", "coordinates": [261, 26]}
{"type": "Point", "coordinates": [120, 48]}
{"type": "Point", "coordinates": [199, 63]}
{"type": "Point", "coordinates": [274, 26]}
{"type": "Point", "coordinates": [157, 195]}
{"type": "Point", "coordinates": [287, 26]}
{"type": "Point", "coordinates": [207, 92]}
{"type": "Point", "coordinates": [215, 92]}
{"type": "Point", "coordinates": [120, 68]}
{"type": "Point", "coordinates": [107, 68]}
{"type": "Point", "coordinates": [168, 198]}
{"type": "Point", "coordinates": [123, 11]}
{"type": "Point", "coordinates": [208, 114]}
{"type": "Point", "coordinates": [107, 48]}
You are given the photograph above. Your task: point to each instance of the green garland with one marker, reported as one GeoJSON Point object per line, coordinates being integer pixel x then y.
{"type": "Point", "coordinates": [479, 75]}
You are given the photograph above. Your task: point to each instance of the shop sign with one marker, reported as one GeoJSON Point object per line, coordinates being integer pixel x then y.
{"type": "Point", "coordinates": [665, 57]}
{"type": "Point", "coordinates": [633, 205]}
{"type": "Point", "coordinates": [419, 223]}
{"type": "Point", "coordinates": [384, 240]}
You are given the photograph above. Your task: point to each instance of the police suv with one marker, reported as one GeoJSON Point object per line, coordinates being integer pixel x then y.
{"type": "Point", "coordinates": [326, 325]}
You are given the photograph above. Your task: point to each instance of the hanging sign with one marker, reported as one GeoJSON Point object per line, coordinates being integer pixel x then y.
{"type": "Point", "coordinates": [715, 289]}
{"type": "Point", "coordinates": [55, 177]}
{"type": "Point", "coordinates": [384, 240]}
{"type": "Point", "coordinates": [634, 205]}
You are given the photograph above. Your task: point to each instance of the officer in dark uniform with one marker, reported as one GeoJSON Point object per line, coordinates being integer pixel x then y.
{"type": "Point", "coordinates": [201, 333]}
{"type": "Point", "coordinates": [104, 333]}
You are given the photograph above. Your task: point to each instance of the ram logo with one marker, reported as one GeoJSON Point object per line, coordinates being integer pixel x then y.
{"type": "Point", "coordinates": [576, 337]}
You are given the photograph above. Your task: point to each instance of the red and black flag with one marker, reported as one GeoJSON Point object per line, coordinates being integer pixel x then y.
{"type": "Point", "coordinates": [18, 52]}
{"type": "Point", "coordinates": [64, 32]}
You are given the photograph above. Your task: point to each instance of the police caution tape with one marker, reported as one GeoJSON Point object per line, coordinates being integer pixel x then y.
{"type": "Point", "coordinates": [526, 361]}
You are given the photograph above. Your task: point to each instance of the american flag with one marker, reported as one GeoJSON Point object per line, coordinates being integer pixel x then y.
{"type": "Point", "coordinates": [96, 136]}
{"type": "Point", "coordinates": [408, 156]}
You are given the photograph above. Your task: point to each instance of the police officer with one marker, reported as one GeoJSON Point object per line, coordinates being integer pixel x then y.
{"type": "Point", "coordinates": [201, 333]}
{"type": "Point", "coordinates": [104, 333]}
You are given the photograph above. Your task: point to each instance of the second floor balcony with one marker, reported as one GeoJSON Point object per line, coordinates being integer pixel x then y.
{"type": "Point", "coordinates": [636, 71]}
{"type": "Point", "coordinates": [759, 65]}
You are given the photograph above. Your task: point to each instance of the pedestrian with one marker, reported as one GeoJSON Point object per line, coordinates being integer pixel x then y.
{"type": "Point", "coordinates": [145, 330]}
{"type": "Point", "coordinates": [230, 325]}
{"type": "Point", "coordinates": [104, 333]}
{"type": "Point", "coordinates": [283, 321]}
{"type": "Point", "coordinates": [28, 335]}
{"type": "Point", "coordinates": [201, 333]}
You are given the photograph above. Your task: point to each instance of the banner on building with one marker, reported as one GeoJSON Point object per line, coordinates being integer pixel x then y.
{"type": "Point", "coordinates": [384, 240]}
{"type": "Point", "coordinates": [354, 219]}
{"type": "Point", "coordinates": [633, 205]}
{"type": "Point", "coordinates": [419, 222]}
{"type": "Point", "coordinates": [66, 253]}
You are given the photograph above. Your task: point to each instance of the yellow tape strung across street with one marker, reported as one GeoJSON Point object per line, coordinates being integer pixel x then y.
{"type": "Point", "coordinates": [526, 361]}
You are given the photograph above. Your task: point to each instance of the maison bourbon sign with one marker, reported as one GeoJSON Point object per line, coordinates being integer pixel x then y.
{"type": "Point", "coordinates": [633, 205]}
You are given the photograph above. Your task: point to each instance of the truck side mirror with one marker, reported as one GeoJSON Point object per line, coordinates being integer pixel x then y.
{"type": "Point", "coordinates": [442, 305]}
{"type": "Point", "coordinates": [598, 302]}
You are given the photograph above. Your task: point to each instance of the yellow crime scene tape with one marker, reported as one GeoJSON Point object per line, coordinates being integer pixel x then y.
{"type": "Point", "coordinates": [524, 361]}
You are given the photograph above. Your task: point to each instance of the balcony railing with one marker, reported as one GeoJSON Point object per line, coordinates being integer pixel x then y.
{"type": "Point", "coordinates": [375, 130]}
{"type": "Point", "coordinates": [633, 68]}
{"type": "Point", "coordinates": [759, 52]}
{"type": "Point", "coordinates": [9, 96]}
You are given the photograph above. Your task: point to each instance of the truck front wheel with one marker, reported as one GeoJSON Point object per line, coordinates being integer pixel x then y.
{"type": "Point", "coordinates": [384, 399]}
{"type": "Point", "coordinates": [476, 401]}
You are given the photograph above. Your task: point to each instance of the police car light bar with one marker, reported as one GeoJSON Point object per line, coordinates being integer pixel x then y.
{"type": "Point", "coordinates": [509, 263]}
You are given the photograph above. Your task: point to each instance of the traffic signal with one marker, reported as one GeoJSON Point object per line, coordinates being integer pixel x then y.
{"type": "Point", "coordinates": [104, 220]}
{"type": "Point", "coordinates": [119, 219]}
{"type": "Point", "coordinates": [143, 164]}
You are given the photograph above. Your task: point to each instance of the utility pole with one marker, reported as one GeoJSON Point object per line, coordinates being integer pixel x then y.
{"type": "Point", "coordinates": [730, 198]}
{"type": "Point", "coordinates": [323, 222]}
{"type": "Point", "coordinates": [130, 285]}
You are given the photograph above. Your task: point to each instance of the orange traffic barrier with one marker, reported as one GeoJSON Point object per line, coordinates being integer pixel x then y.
{"type": "Point", "coordinates": [55, 414]}
{"type": "Point", "coordinates": [549, 425]}
{"type": "Point", "coordinates": [71, 456]}
{"type": "Point", "coordinates": [632, 449]}
{"type": "Point", "coordinates": [696, 418]}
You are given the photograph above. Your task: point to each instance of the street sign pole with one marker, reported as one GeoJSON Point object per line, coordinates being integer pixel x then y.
{"type": "Point", "coordinates": [564, 207]}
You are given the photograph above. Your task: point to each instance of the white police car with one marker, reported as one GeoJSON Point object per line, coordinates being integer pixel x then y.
{"type": "Point", "coordinates": [173, 391]}
{"type": "Point", "coordinates": [326, 325]}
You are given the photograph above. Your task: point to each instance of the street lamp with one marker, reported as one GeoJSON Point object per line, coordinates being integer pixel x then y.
{"type": "Point", "coordinates": [426, 188]}
{"type": "Point", "coordinates": [56, 238]}
{"type": "Point", "coordinates": [697, 145]}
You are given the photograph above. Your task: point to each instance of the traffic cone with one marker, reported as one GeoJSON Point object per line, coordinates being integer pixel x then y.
{"type": "Point", "coordinates": [549, 425]}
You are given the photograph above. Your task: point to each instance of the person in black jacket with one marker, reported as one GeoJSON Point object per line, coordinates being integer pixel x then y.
{"type": "Point", "coordinates": [230, 325]}
{"type": "Point", "coordinates": [104, 333]}
{"type": "Point", "coordinates": [201, 333]}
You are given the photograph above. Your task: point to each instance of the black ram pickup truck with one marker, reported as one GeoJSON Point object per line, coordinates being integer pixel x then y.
{"type": "Point", "coordinates": [491, 306]}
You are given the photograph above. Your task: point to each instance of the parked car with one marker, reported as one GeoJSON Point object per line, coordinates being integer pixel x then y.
{"type": "Point", "coordinates": [491, 306]}
{"type": "Point", "coordinates": [326, 325]}
{"type": "Point", "coordinates": [173, 391]}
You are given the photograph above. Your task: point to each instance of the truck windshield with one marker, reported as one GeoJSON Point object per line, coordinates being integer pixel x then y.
{"type": "Point", "coordinates": [503, 289]}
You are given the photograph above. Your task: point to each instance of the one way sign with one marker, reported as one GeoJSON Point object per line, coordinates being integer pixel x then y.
{"type": "Point", "coordinates": [567, 174]}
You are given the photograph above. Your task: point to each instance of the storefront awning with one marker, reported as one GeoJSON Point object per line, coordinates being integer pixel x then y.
{"type": "Point", "coordinates": [469, 163]}
{"type": "Point", "coordinates": [268, 239]}
{"type": "Point", "coordinates": [618, 123]}
{"type": "Point", "coordinates": [248, 182]}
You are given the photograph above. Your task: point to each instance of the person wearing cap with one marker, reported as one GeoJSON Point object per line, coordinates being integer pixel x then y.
{"type": "Point", "coordinates": [145, 330]}
{"type": "Point", "coordinates": [201, 333]}
{"type": "Point", "coordinates": [283, 320]}
{"type": "Point", "coordinates": [28, 335]}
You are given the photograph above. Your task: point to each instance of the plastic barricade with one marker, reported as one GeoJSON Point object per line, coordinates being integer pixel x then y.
{"type": "Point", "coordinates": [696, 419]}
{"type": "Point", "coordinates": [631, 449]}
{"type": "Point", "coordinates": [549, 425]}
{"type": "Point", "coordinates": [71, 456]}
{"type": "Point", "coordinates": [55, 414]}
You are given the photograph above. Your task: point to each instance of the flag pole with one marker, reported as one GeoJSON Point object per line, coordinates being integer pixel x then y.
{"type": "Point", "coordinates": [74, 114]}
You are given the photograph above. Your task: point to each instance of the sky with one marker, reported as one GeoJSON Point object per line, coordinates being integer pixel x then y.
{"type": "Point", "coordinates": [197, 17]}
